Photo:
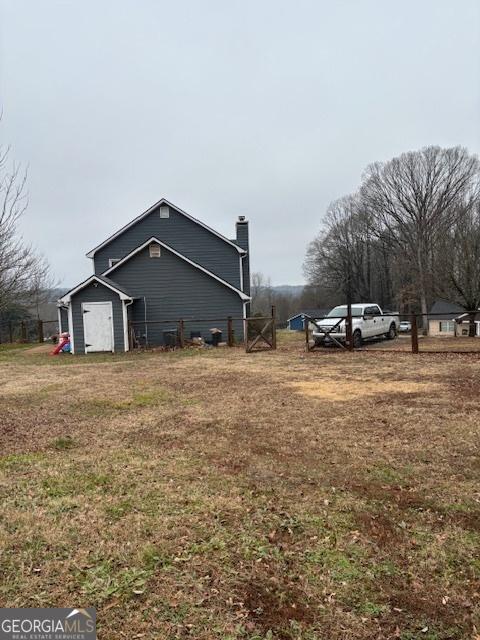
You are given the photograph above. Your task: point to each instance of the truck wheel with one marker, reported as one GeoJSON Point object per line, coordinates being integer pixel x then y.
{"type": "Point", "coordinates": [357, 339]}
{"type": "Point", "coordinates": [319, 342]}
{"type": "Point", "coordinates": [392, 332]}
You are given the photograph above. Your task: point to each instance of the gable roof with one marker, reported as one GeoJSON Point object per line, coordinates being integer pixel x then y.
{"type": "Point", "coordinates": [91, 253]}
{"type": "Point", "coordinates": [446, 310]}
{"type": "Point", "coordinates": [143, 246]}
{"type": "Point", "coordinates": [124, 295]}
{"type": "Point", "coordinates": [313, 313]}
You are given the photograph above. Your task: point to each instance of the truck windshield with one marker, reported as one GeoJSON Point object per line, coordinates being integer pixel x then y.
{"type": "Point", "coordinates": [340, 312]}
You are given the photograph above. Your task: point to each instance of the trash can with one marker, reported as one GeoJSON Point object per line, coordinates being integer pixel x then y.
{"type": "Point", "coordinates": [170, 337]}
{"type": "Point", "coordinates": [216, 338]}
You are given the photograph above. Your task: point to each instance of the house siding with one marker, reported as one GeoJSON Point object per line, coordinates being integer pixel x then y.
{"type": "Point", "coordinates": [99, 293]}
{"type": "Point", "coordinates": [168, 288]}
{"type": "Point", "coordinates": [182, 234]}
{"type": "Point", "coordinates": [434, 329]}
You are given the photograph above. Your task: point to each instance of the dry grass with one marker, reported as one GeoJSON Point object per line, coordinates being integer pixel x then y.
{"type": "Point", "coordinates": [216, 494]}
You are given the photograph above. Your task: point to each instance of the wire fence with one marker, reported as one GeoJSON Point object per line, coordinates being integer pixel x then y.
{"type": "Point", "coordinates": [27, 330]}
{"type": "Point", "coordinates": [256, 332]}
{"type": "Point", "coordinates": [421, 332]}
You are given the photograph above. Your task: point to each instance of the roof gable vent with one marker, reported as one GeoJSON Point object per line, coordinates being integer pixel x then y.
{"type": "Point", "coordinates": [155, 251]}
{"type": "Point", "coordinates": [164, 211]}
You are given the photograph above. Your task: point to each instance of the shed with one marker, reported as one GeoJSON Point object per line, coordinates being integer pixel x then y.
{"type": "Point", "coordinates": [297, 322]}
{"type": "Point", "coordinates": [97, 314]}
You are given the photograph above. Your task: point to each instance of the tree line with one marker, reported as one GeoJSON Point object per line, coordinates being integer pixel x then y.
{"type": "Point", "coordinates": [410, 234]}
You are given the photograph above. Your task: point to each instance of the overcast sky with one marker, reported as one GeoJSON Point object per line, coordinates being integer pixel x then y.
{"type": "Point", "coordinates": [264, 108]}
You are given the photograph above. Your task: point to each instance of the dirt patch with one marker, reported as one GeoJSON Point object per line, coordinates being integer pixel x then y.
{"type": "Point", "coordinates": [38, 350]}
{"type": "Point", "coordinates": [345, 390]}
{"type": "Point", "coordinates": [379, 528]}
{"type": "Point", "coordinates": [271, 604]}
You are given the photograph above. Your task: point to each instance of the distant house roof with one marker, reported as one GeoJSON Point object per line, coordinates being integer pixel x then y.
{"type": "Point", "coordinates": [312, 313]}
{"type": "Point", "coordinates": [446, 310]}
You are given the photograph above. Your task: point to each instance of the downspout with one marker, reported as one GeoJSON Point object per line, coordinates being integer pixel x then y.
{"type": "Point", "coordinates": [145, 319]}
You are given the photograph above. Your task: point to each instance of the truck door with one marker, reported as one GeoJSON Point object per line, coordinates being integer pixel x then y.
{"type": "Point", "coordinates": [380, 324]}
{"type": "Point", "coordinates": [369, 324]}
{"type": "Point", "coordinates": [378, 327]}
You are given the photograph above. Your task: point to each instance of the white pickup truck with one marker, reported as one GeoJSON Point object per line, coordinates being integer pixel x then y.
{"type": "Point", "coordinates": [368, 321]}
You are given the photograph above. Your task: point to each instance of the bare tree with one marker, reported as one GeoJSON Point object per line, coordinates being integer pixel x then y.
{"type": "Point", "coordinates": [22, 272]}
{"type": "Point", "coordinates": [413, 202]}
{"type": "Point", "coordinates": [343, 256]}
{"type": "Point", "coordinates": [262, 294]}
{"type": "Point", "coordinates": [459, 262]}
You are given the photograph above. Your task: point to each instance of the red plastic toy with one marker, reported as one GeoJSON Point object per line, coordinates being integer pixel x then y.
{"type": "Point", "coordinates": [64, 340]}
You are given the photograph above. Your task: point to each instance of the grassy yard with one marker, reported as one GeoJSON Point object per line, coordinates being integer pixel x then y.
{"type": "Point", "coordinates": [219, 495]}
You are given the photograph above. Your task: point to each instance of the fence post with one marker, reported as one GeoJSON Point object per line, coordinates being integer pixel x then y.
{"type": "Point", "coordinates": [181, 333]}
{"type": "Point", "coordinates": [306, 322]}
{"type": "Point", "coordinates": [348, 328]}
{"type": "Point", "coordinates": [10, 331]}
{"type": "Point", "coordinates": [245, 333]}
{"type": "Point", "coordinates": [40, 330]}
{"type": "Point", "coordinates": [414, 334]}
{"type": "Point", "coordinates": [23, 331]}
{"type": "Point", "coordinates": [274, 327]}
{"type": "Point", "coordinates": [230, 331]}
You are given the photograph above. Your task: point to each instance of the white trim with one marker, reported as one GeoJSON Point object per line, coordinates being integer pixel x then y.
{"type": "Point", "coordinates": [111, 323]}
{"type": "Point", "coordinates": [68, 296]}
{"type": "Point", "coordinates": [59, 321]}
{"type": "Point", "coordinates": [126, 341]}
{"type": "Point", "coordinates": [91, 253]}
{"type": "Point", "coordinates": [179, 255]}
{"type": "Point", "coordinates": [244, 324]}
{"type": "Point", "coordinates": [111, 261]}
{"type": "Point", "coordinates": [70, 329]}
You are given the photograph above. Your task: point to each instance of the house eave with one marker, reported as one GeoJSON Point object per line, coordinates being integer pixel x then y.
{"type": "Point", "coordinates": [66, 299]}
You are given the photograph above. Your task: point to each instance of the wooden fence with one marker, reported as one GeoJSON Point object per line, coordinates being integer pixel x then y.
{"type": "Point", "coordinates": [330, 333]}
{"type": "Point", "coordinates": [27, 330]}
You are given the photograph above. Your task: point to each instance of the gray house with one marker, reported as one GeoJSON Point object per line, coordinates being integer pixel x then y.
{"type": "Point", "coordinates": [163, 266]}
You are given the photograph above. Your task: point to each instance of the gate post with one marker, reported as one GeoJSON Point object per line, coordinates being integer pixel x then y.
{"type": "Point", "coordinates": [23, 331]}
{"type": "Point", "coordinates": [349, 327]}
{"type": "Point", "coordinates": [306, 322]}
{"type": "Point", "coordinates": [274, 328]}
{"type": "Point", "coordinates": [10, 331]}
{"type": "Point", "coordinates": [414, 334]}
{"type": "Point", "coordinates": [245, 333]}
{"type": "Point", "coordinates": [181, 334]}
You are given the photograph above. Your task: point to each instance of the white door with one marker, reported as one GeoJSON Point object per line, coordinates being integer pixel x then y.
{"type": "Point", "coordinates": [97, 326]}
